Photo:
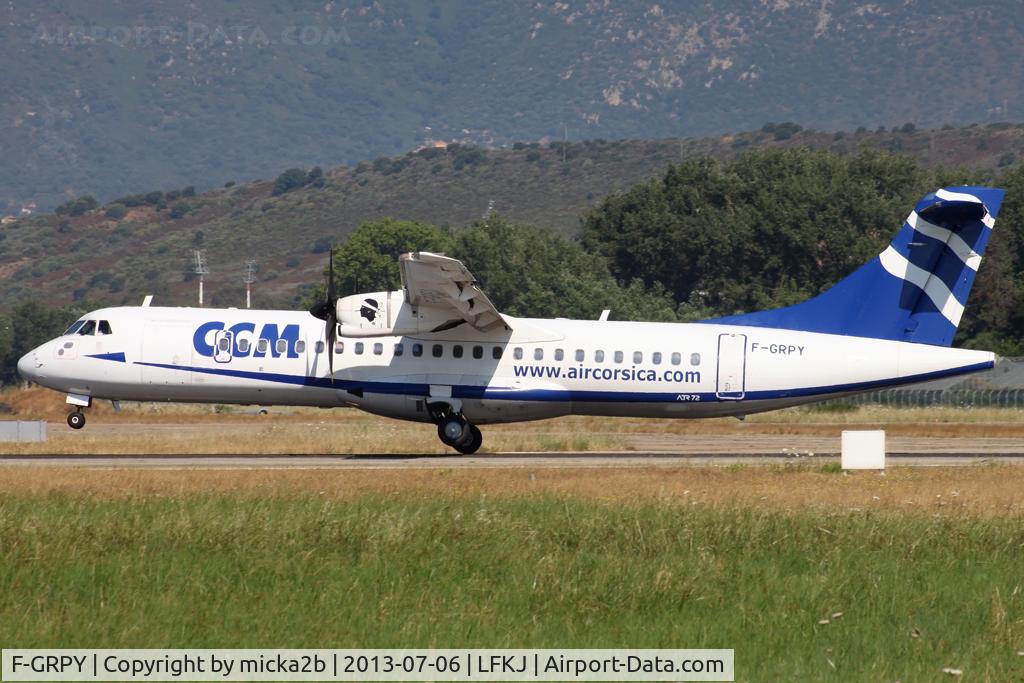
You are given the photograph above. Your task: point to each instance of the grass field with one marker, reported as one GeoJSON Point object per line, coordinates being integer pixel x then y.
{"type": "Point", "coordinates": [809, 575]}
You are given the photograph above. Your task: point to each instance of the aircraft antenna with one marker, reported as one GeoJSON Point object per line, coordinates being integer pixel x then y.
{"type": "Point", "coordinates": [201, 270]}
{"type": "Point", "coordinates": [250, 277]}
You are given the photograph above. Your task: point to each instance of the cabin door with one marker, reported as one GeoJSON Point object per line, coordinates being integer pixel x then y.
{"type": "Point", "coordinates": [732, 366]}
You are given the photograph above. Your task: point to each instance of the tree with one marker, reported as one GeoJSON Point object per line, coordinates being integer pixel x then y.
{"type": "Point", "coordinates": [78, 206]}
{"type": "Point", "coordinates": [179, 210]}
{"type": "Point", "coordinates": [530, 271]}
{"type": "Point", "coordinates": [116, 211]}
{"type": "Point", "coordinates": [291, 179]}
{"type": "Point", "coordinates": [369, 259]}
{"type": "Point", "coordinates": [769, 229]}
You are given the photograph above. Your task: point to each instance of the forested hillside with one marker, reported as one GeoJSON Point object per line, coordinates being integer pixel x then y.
{"type": "Point", "coordinates": [143, 244]}
{"type": "Point", "coordinates": [112, 98]}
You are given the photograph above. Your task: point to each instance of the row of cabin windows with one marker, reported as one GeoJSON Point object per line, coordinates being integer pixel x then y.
{"type": "Point", "coordinates": [437, 351]}
{"type": "Point", "coordinates": [262, 345]}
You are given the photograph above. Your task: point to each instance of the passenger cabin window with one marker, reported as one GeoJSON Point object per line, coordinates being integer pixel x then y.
{"type": "Point", "coordinates": [496, 353]}
{"type": "Point", "coordinates": [538, 354]}
{"type": "Point", "coordinates": [104, 327]}
{"type": "Point", "coordinates": [262, 345]}
{"type": "Point", "coordinates": [437, 351]}
{"type": "Point", "coordinates": [638, 357]}
{"type": "Point", "coordinates": [399, 350]}
{"type": "Point", "coordinates": [88, 328]}
{"type": "Point", "coordinates": [676, 358]}
{"type": "Point", "coordinates": [656, 357]}
{"type": "Point", "coordinates": [74, 327]}
{"type": "Point", "coordinates": [457, 351]}
{"type": "Point", "coordinates": [243, 346]}
{"type": "Point", "coordinates": [300, 346]}
{"type": "Point", "coordinates": [317, 348]}
{"type": "Point", "coordinates": [378, 349]}
{"type": "Point", "coordinates": [359, 348]}
{"type": "Point", "coordinates": [618, 356]}
{"type": "Point", "coordinates": [518, 353]}
{"type": "Point", "coordinates": [417, 350]}
{"type": "Point", "coordinates": [559, 354]}
{"type": "Point", "coordinates": [478, 352]}
{"type": "Point", "coordinates": [598, 356]}
{"type": "Point", "coordinates": [694, 359]}
{"type": "Point", "coordinates": [339, 347]}
{"type": "Point", "coordinates": [282, 345]}
{"type": "Point", "coordinates": [580, 355]}
{"type": "Point", "coordinates": [223, 344]}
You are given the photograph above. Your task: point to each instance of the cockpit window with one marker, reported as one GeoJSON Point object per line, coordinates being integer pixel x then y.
{"type": "Point", "coordinates": [88, 328]}
{"type": "Point", "coordinates": [74, 327]}
{"type": "Point", "coordinates": [104, 327]}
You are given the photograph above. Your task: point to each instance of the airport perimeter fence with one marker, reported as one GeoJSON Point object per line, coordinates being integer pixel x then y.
{"type": "Point", "coordinates": [1000, 387]}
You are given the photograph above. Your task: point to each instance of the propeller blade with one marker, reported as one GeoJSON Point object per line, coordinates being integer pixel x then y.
{"type": "Point", "coordinates": [327, 310]}
{"type": "Point", "coordinates": [330, 278]}
{"type": "Point", "coordinates": [332, 330]}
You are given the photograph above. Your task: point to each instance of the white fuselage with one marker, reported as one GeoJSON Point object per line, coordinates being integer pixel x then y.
{"type": "Point", "coordinates": [540, 369]}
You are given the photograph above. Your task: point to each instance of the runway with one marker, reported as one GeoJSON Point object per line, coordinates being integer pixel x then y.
{"type": "Point", "coordinates": [495, 460]}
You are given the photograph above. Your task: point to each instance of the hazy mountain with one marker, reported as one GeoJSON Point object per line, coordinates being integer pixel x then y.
{"type": "Point", "coordinates": [123, 96]}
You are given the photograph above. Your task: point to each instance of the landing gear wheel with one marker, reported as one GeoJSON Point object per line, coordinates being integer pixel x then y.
{"type": "Point", "coordinates": [453, 431]}
{"type": "Point", "coordinates": [476, 439]}
{"type": "Point", "coordinates": [76, 420]}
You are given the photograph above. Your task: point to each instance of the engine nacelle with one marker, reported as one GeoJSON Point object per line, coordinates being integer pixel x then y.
{"type": "Point", "coordinates": [385, 314]}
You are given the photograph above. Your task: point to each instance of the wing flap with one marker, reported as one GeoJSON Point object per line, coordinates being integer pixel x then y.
{"type": "Point", "coordinates": [445, 283]}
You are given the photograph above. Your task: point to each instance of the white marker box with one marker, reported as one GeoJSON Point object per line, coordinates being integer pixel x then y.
{"type": "Point", "coordinates": [863, 450]}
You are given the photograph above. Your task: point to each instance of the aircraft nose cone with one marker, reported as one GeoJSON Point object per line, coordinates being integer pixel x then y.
{"type": "Point", "coordinates": [28, 366]}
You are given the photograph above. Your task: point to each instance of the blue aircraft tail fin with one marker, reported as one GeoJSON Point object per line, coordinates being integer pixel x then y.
{"type": "Point", "coordinates": [916, 289]}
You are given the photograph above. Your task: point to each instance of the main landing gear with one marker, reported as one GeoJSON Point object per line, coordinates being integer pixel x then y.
{"type": "Point", "coordinates": [456, 431]}
{"type": "Point", "coordinates": [76, 420]}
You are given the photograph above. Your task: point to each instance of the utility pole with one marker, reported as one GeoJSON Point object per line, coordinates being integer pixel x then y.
{"type": "Point", "coordinates": [565, 141]}
{"type": "Point", "coordinates": [201, 270]}
{"type": "Point", "coordinates": [250, 277]}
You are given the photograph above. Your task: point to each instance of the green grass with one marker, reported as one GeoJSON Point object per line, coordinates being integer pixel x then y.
{"type": "Point", "coordinates": [916, 593]}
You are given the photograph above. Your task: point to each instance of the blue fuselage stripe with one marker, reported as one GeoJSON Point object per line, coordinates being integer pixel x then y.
{"type": "Point", "coordinates": [469, 391]}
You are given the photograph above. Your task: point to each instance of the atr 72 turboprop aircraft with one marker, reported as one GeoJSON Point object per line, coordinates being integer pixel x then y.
{"type": "Point", "coordinates": [438, 350]}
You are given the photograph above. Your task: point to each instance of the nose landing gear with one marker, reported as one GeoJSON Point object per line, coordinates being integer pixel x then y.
{"type": "Point", "coordinates": [76, 420]}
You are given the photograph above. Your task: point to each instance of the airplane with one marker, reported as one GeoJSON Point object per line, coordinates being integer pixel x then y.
{"type": "Point", "coordinates": [438, 351]}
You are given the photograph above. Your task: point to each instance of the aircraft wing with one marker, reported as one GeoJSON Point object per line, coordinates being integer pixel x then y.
{"type": "Point", "coordinates": [444, 283]}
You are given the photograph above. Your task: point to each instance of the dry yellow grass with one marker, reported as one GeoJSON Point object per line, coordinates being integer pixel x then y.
{"type": "Point", "coordinates": [201, 429]}
{"type": "Point", "coordinates": [991, 490]}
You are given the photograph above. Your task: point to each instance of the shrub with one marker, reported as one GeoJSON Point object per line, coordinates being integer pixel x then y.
{"type": "Point", "coordinates": [78, 206]}
{"type": "Point", "coordinates": [180, 210]}
{"type": "Point", "coordinates": [291, 179]}
{"type": "Point", "coordinates": [316, 177]}
{"type": "Point", "coordinates": [116, 211]}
